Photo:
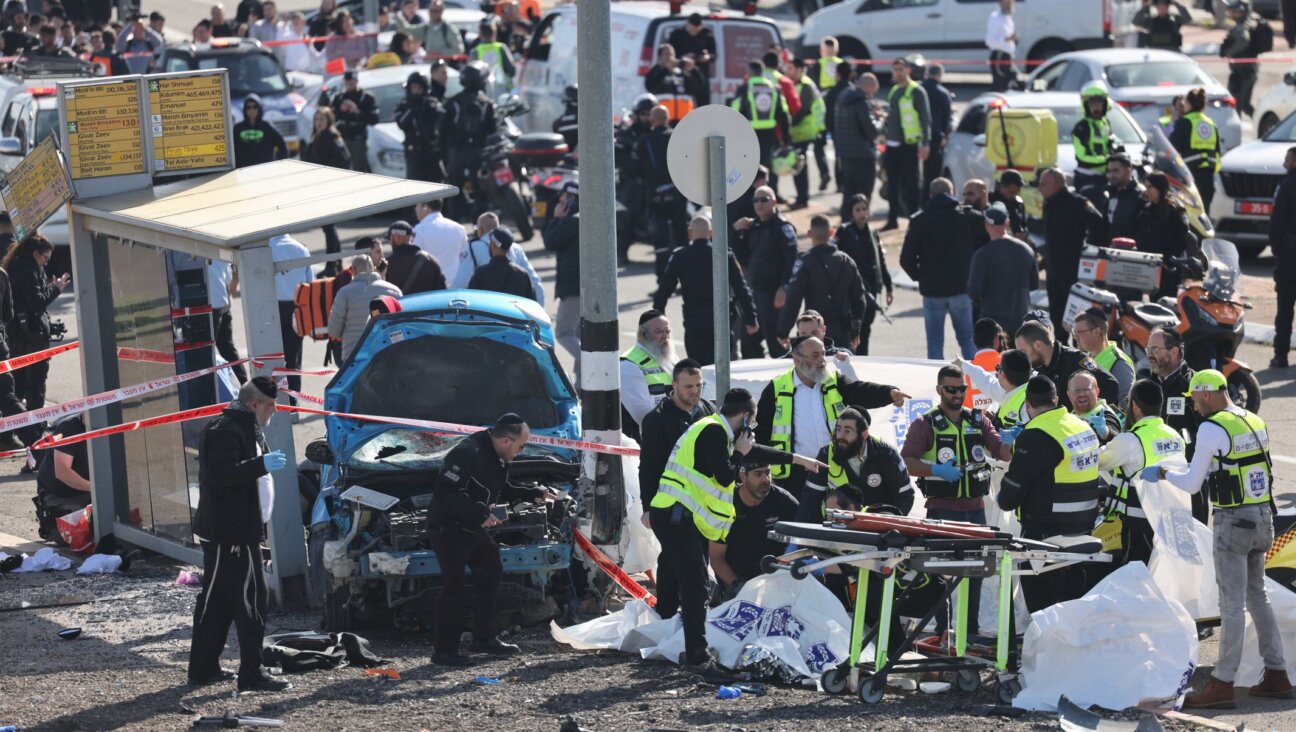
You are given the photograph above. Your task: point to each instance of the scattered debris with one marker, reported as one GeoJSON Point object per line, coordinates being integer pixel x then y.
{"type": "Point", "coordinates": [189, 578]}
{"type": "Point", "coordinates": [486, 681]}
{"type": "Point", "coordinates": [728, 692]}
{"type": "Point", "coordinates": [388, 673]}
{"type": "Point", "coordinates": [1189, 718]}
{"type": "Point", "coordinates": [1072, 718]}
{"type": "Point", "coordinates": [934, 687]}
{"type": "Point", "coordinates": [233, 721]}
{"type": "Point", "coordinates": [69, 633]}
{"type": "Point", "coordinates": [100, 564]}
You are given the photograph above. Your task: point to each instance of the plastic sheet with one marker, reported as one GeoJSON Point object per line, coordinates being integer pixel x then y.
{"type": "Point", "coordinates": [100, 564]}
{"type": "Point", "coordinates": [1122, 644]}
{"type": "Point", "coordinates": [1182, 563]}
{"type": "Point", "coordinates": [44, 559]}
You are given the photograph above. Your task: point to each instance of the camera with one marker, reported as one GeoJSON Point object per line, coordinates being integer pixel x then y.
{"type": "Point", "coordinates": [58, 329]}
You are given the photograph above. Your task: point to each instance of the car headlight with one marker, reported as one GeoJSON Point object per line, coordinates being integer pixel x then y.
{"type": "Point", "coordinates": [392, 159]}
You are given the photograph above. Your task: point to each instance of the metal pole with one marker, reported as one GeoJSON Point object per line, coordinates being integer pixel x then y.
{"type": "Point", "coordinates": [719, 262]}
{"type": "Point", "coordinates": [370, 8]}
{"type": "Point", "coordinates": [600, 383]}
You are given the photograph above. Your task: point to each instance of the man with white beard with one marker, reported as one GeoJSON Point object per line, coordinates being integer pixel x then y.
{"type": "Point", "coordinates": [802, 407]}
{"type": "Point", "coordinates": [646, 371]}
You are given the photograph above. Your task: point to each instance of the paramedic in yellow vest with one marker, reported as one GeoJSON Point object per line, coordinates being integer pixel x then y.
{"type": "Point", "coordinates": [758, 99]}
{"type": "Point", "coordinates": [868, 468]}
{"type": "Point", "coordinates": [646, 370]}
{"type": "Point", "coordinates": [807, 124]}
{"type": "Point", "coordinates": [1232, 463]}
{"type": "Point", "coordinates": [908, 142]}
{"type": "Point", "coordinates": [1006, 386]}
{"type": "Point", "coordinates": [694, 505]}
{"type": "Point", "coordinates": [1094, 142]}
{"type": "Point", "coordinates": [1197, 139]}
{"type": "Point", "coordinates": [801, 406]}
{"type": "Point", "coordinates": [1053, 480]}
{"type": "Point", "coordinates": [1148, 442]}
{"type": "Point", "coordinates": [826, 77]}
{"type": "Point", "coordinates": [497, 56]}
{"type": "Point", "coordinates": [948, 450]}
{"type": "Point", "coordinates": [1091, 328]}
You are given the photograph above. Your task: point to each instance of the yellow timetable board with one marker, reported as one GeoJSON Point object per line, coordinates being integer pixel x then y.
{"type": "Point", "coordinates": [103, 129]}
{"type": "Point", "coordinates": [189, 122]}
{"type": "Point", "coordinates": [35, 189]}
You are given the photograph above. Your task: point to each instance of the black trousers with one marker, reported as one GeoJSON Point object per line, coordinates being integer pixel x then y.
{"type": "Point", "coordinates": [233, 591]}
{"type": "Point", "coordinates": [682, 575]}
{"type": "Point", "coordinates": [856, 175]}
{"type": "Point", "coordinates": [821, 158]}
{"type": "Point", "coordinates": [768, 316]}
{"type": "Point", "coordinates": [9, 403]}
{"type": "Point", "coordinates": [668, 222]}
{"type": "Point", "coordinates": [332, 245]}
{"type": "Point", "coordinates": [699, 341]}
{"type": "Point", "coordinates": [1241, 82]}
{"type": "Point", "coordinates": [29, 381]}
{"type": "Point", "coordinates": [1136, 537]}
{"type": "Point", "coordinates": [866, 329]}
{"type": "Point", "coordinates": [932, 168]}
{"type": "Point", "coordinates": [456, 551]}
{"type": "Point", "coordinates": [292, 344]}
{"type": "Point", "coordinates": [902, 181]}
{"type": "Point", "coordinates": [915, 605]}
{"type": "Point", "coordinates": [1205, 180]}
{"type": "Point", "coordinates": [359, 149]}
{"type": "Point", "coordinates": [1289, 22]}
{"type": "Point", "coordinates": [224, 323]}
{"type": "Point", "coordinates": [1286, 291]}
{"type": "Point", "coordinates": [1050, 588]}
{"type": "Point", "coordinates": [1002, 72]}
{"type": "Point", "coordinates": [801, 180]}
{"type": "Point", "coordinates": [1059, 287]}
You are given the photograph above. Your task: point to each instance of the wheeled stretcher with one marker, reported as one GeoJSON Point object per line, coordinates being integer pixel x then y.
{"type": "Point", "coordinates": [893, 545]}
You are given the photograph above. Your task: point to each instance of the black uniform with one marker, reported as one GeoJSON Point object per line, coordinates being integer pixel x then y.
{"type": "Point", "coordinates": [1069, 219]}
{"type": "Point", "coordinates": [501, 275]}
{"type": "Point", "coordinates": [661, 429]}
{"type": "Point", "coordinates": [686, 43]}
{"type": "Point", "coordinates": [1163, 229]}
{"type": "Point", "coordinates": [863, 246]}
{"type": "Point", "coordinates": [54, 498]}
{"type": "Point", "coordinates": [767, 252]}
{"type": "Point", "coordinates": [748, 541]}
{"type": "Point", "coordinates": [229, 525]}
{"type": "Point", "coordinates": [9, 403]}
{"type": "Point", "coordinates": [1066, 361]}
{"type": "Point", "coordinates": [566, 126]}
{"type": "Point", "coordinates": [1123, 206]}
{"type": "Point", "coordinates": [1242, 75]}
{"type": "Point", "coordinates": [690, 267]}
{"type": "Point", "coordinates": [354, 126]}
{"type": "Point", "coordinates": [420, 118]}
{"type": "Point", "coordinates": [1016, 212]}
{"type": "Point", "coordinates": [1181, 416]}
{"type": "Point", "coordinates": [473, 478]}
{"type": "Point", "coordinates": [29, 331]}
{"type": "Point", "coordinates": [1282, 240]}
{"type": "Point", "coordinates": [667, 208]}
{"type": "Point", "coordinates": [877, 477]}
{"type": "Point", "coordinates": [941, 104]}
{"type": "Point", "coordinates": [829, 282]}
{"type": "Point", "coordinates": [665, 80]}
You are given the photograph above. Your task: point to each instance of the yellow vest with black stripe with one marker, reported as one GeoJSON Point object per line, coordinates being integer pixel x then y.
{"type": "Point", "coordinates": [962, 443]}
{"type": "Point", "coordinates": [1012, 411]}
{"type": "Point", "coordinates": [1203, 140]}
{"type": "Point", "coordinates": [1108, 357]}
{"type": "Point", "coordinates": [710, 503]}
{"type": "Point", "coordinates": [1243, 477]}
{"type": "Point", "coordinates": [763, 100]}
{"type": "Point", "coordinates": [1072, 505]}
{"type": "Point", "coordinates": [828, 71]}
{"type": "Point", "coordinates": [491, 54]}
{"type": "Point", "coordinates": [813, 123]}
{"type": "Point", "coordinates": [1159, 442]}
{"type": "Point", "coordinates": [1094, 152]}
{"type": "Point", "coordinates": [910, 123]}
{"type": "Point", "coordinates": [657, 378]}
{"type": "Point", "coordinates": [781, 425]}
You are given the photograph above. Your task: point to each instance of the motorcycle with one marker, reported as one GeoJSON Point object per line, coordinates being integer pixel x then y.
{"type": "Point", "coordinates": [502, 182]}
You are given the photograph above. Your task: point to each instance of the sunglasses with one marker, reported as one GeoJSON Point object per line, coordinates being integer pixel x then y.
{"type": "Point", "coordinates": [954, 389]}
{"type": "Point", "coordinates": [762, 199]}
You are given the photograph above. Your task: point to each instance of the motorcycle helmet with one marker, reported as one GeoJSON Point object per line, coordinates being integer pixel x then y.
{"type": "Point", "coordinates": [1094, 90]}
{"type": "Point", "coordinates": [917, 66]}
{"type": "Point", "coordinates": [569, 95]}
{"type": "Point", "coordinates": [786, 161]}
{"type": "Point", "coordinates": [417, 78]}
{"type": "Point", "coordinates": [644, 103]}
{"type": "Point", "coordinates": [473, 76]}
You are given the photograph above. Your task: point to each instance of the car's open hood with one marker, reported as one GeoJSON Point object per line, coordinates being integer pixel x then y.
{"type": "Point", "coordinates": [460, 356]}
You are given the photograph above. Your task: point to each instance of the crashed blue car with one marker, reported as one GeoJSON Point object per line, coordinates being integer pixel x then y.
{"type": "Point", "coordinates": [458, 356]}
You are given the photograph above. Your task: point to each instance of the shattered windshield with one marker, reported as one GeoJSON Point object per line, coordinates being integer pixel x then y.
{"type": "Point", "coordinates": [407, 449]}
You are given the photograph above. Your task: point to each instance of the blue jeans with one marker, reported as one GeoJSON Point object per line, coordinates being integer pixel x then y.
{"type": "Point", "coordinates": [959, 308]}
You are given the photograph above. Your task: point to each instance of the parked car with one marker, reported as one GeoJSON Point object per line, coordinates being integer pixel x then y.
{"type": "Point", "coordinates": [1244, 188]}
{"type": "Point", "coordinates": [1143, 81]}
{"type": "Point", "coordinates": [955, 29]}
{"type": "Point", "coordinates": [1276, 105]}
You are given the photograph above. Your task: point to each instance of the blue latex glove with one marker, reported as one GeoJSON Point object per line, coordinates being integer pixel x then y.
{"type": "Point", "coordinates": [274, 461]}
{"type": "Point", "coordinates": [1151, 472]}
{"type": "Point", "coordinates": [1099, 423]}
{"type": "Point", "coordinates": [947, 472]}
{"type": "Point", "coordinates": [1008, 435]}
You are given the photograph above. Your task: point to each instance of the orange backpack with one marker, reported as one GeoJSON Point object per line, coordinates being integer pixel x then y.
{"type": "Point", "coordinates": [313, 302]}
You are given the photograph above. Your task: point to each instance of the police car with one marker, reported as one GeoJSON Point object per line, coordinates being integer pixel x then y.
{"type": "Point", "coordinates": [253, 69]}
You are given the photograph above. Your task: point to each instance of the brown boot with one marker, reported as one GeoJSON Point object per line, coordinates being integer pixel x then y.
{"type": "Point", "coordinates": [1216, 695]}
{"type": "Point", "coordinates": [1273, 684]}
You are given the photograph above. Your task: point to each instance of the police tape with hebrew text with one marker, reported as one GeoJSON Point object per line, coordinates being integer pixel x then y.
{"type": "Point", "coordinates": [18, 362]}
{"type": "Point", "coordinates": [610, 567]}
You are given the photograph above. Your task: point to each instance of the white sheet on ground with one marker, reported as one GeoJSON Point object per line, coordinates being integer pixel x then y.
{"type": "Point", "coordinates": [44, 559]}
{"type": "Point", "coordinates": [1122, 644]}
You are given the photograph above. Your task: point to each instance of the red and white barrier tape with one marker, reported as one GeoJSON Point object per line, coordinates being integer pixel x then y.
{"type": "Point", "coordinates": [304, 397]}
{"type": "Point", "coordinates": [18, 362]}
{"type": "Point", "coordinates": [50, 441]}
{"type": "Point", "coordinates": [301, 372]}
{"type": "Point", "coordinates": [610, 567]}
{"type": "Point", "coordinates": [187, 311]}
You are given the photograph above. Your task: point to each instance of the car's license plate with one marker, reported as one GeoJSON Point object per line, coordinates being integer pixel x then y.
{"type": "Point", "coordinates": [539, 209]}
{"type": "Point", "coordinates": [1254, 208]}
{"type": "Point", "coordinates": [503, 176]}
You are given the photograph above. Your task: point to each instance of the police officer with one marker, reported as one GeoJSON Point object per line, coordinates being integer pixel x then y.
{"type": "Point", "coordinates": [1091, 335]}
{"type": "Point", "coordinates": [646, 370]}
{"type": "Point", "coordinates": [1082, 390]}
{"type": "Point", "coordinates": [830, 77]}
{"type": "Point", "coordinates": [867, 467]}
{"type": "Point", "coordinates": [694, 504]}
{"type": "Point", "coordinates": [1093, 141]}
{"type": "Point", "coordinates": [758, 99]}
{"type": "Point", "coordinates": [1233, 463]}
{"type": "Point", "coordinates": [829, 282]}
{"type": "Point", "coordinates": [810, 395]}
{"type": "Point", "coordinates": [1008, 192]}
{"type": "Point", "coordinates": [1149, 441]}
{"type": "Point", "coordinates": [1057, 362]}
{"type": "Point", "coordinates": [766, 247]}
{"type": "Point", "coordinates": [807, 125]}
{"type": "Point", "coordinates": [630, 187]}
{"type": "Point", "coordinates": [566, 124]}
{"type": "Point", "coordinates": [419, 115]}
{"type": "Point", "coordinates": [947, 450]}
{"type": "Point", "coordinates": [1069, 220]}
{"type": "Point", "coordinates": [467, 499]}
{"type": "Point", "coordinates": [690, 267]}
{"type": "Point", "coordinates": [1238, 45]}
{"type": "Point", "coordinates": [908, 142]}
{"type": "Point", "coordinates": [669, 211]}
{"type": "Point", "coordinates": [1124, 199]}
{"type": "Point", "coordinates": [468, 120]}
{"type": "Point", "coordinates": [860, 242]}
{"type": "Point", "coordinates": [357, 111]}
{"type": "Point", "coordinates": [1053, 479]}
{"type": "Point", "coordinates": [235, 497]}
{"type": "Point", "coordinates": [1161, 22]}
{"type": "Point", "coordinates": [495, 56]}
{"type": "Point", "coordinates": [1282, 242]}
{"type": "Point", "coordinates": [1197, 139]}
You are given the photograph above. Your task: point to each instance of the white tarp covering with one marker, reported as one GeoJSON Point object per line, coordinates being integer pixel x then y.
{"type": "Point", "coordinates": [639, 547]}
{"type": "Point", "coordinates": [799, 621]}
{"type": "Point", "coordinates": [1122, 644]}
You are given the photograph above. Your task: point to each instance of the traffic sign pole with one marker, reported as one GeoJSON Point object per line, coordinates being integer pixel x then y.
{"type": "Point", "coordinates": [719, 262]}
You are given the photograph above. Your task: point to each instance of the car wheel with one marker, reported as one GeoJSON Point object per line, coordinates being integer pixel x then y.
{"type": "Point", "coordinates": [848, 47]}
{"type": "Point", "coordinates": [1266, 124]}
{"type": "Point", "coordinates": [1048, 48]}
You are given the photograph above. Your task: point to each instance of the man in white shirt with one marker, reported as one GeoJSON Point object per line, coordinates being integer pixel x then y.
{"type": "Point", "coordinates": [1001, 39]}
{"type": "Point", "coordinates": [222, 283]}
{"type": "Point", "coordinates": [477, 254]}
{"type": "Point", "coordinates": [284, 248]}
{"type": "Point", "coordinates": [646, 370]}
{"type": "Point", "coordinates": [267, 28]}
{"type": "Point", "coordinates": [295, 56]}
{"type": "Point", "coordinates": [439, 236]}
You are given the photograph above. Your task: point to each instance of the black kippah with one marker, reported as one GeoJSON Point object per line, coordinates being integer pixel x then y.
{"type": "Point", "coordinates": [266, 386]}
{"type": "Point", "coordinates": [1041, 386]}
{"type": "Point", "coordinates": [1147, 391]}
{"type": "Point", "coordinates": [738, 396]}
{"type": "Point", "coordinates": [509, 418]}
{"type": "Point", "coordinates": [650, 315]}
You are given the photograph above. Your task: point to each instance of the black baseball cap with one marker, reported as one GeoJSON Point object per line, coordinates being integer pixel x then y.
{"type": "Point", "coordinates": [997, 214]}
{"type": "Point", "coordinates": [349, 74]}
{"type": "Point", "coordinates": [503, 238]}
{"type": "Point", "coordinates": [1011, 178]}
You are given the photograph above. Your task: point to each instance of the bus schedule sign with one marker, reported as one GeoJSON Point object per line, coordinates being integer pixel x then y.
{"type": "Point", "coordinates": [189, 122]}
{"type": "Point", "coordinates": [35, 189]}
{"type": "Point", "coordinates": [103, 128]}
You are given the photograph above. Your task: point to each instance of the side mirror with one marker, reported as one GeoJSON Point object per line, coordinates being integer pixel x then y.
{"type": "Point", "coordinates": [979, 140]}
{"type": "Point", "coordinates": [1039, 85]}
{"type": "Point", "coordinates": [1289, 78]}
{"type": "Point", "coordinates": [319, 452]}
{"type": "Point", "coordinates": [10, 146]}
{"type": "Point", "coordinates": [298, 83]}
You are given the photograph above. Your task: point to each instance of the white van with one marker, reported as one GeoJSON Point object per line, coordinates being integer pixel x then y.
{"type": "Point", "coordinates": [955, 29]}
{"type": "Point", "coordinates": [637, 29]}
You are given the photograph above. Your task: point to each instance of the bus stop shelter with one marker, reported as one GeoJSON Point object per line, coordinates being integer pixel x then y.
{"type": "Point", "coordinates": [140, 273]}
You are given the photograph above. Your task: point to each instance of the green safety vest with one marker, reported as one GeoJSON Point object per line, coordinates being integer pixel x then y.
{"type": "Point", "coordinates": [1243, 477]}
{"type": "Point", "coordinates": [658, 378]}
{"type": "Point", "coordinates": [710, 503]}
{"type": "Point", "coordinates": [1012, 411]}
{"type": "Point", "coordinates": [1159, 441]}
{"type": "Point", "coordinates": [813, 123]}
{"type": "Point", "coordinates": [1077, 471]}
{"type": "Point", "coordinates": [1203, 141]}
{"type": "Point", "coordinates": [1108, 357]}
{"type": "Point", "coordinates": [910, 124]}
{"type": "Point", "coordinates": [828, 71]}
{"type": "Point", "coordinates": [1094, 153]}
{"type": "Point", "coordinates": [1167, 124]}
{"type": "Point", "coordinates": [492, 54]}
{"type": "Point", "coordinates": [781, 424]}
{"type": "Point", "coordinates": [763, 101]}
{"type": "Point", "coordinates": [964, 444]}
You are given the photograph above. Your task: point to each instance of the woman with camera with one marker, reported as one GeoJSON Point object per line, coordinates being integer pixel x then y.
{"type": "Point", "coordinates": [29, 330]}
